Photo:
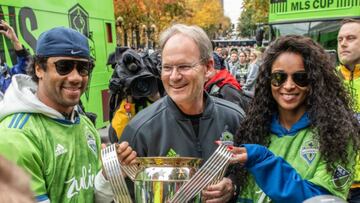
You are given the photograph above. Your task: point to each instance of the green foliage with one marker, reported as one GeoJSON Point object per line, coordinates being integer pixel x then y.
{"type": "Point", "coordinates": [254, 12]}
{"type": "Point", "coordinates": [140, 14]}
{"type": "Point", "coordinates": [246, 26]}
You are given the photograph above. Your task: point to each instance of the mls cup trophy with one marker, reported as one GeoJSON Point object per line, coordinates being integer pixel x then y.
{"type": "Point", "coordinates": [164, 179]}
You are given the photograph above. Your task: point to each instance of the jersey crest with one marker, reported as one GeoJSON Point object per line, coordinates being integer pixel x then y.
{"type": "Point", "coordinates": [91, 141]}
{"type": "Point", "coordinates": [309, 150]}
{"type": "Point", "coordinates": [227, 138]}
{"type": "Point", "coordinates": [340, 176]}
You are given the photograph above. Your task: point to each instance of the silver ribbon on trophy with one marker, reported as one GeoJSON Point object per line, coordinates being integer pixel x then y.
{"type": "Point", "coordinates": [113, 170]}
{"type": "Point", "coordinates": [164, 179]}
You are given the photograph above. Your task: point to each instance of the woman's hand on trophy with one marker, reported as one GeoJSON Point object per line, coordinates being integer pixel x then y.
{"type": "Point", "coordinates": [126, 154]}
{"type": "Point", "coordinates": [239, 155]}
{"type": "Point", "coordinates": [218, 193]}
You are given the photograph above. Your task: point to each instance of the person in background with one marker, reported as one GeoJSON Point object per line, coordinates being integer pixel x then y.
{"type": "Point", "coordinates": [247, 51]}
{"type": "Point", "coordinates": [249, 86]}
{"type": "Point", "coordinates": [223, 85]}
{"type": "Point", "coordinates": [187, 121]}
{"type": "Point", "coordinates": [253, 56]}
{"type": "Point", "coordinates": [225, 55]}
{"type": "Point", "coordinates": [234, 63]}
{"type": "Point", "coordinates": [21, 53]}
{"type": "Point", "coordinates": [299, 138]}
{"type": "Point", "coordinates": [240, 70]}
{"type": "Point", "coordinates": [218, 50]}
{"type": "Point", "coordinates": [43, 132]}
{"type": "Point", "coordinates": [349, 71]}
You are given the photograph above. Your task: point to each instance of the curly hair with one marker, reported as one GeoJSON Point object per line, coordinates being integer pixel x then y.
{"type": "Point", "coordinates": [34, 61]}
{"type": "Point", "coordinates": [328, 104]}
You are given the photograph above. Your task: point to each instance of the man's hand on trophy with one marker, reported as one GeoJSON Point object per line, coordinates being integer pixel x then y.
{"type": "Point", "coordinates": [126, 154]}
{"type": "Point", "coordinates": [218, 193]}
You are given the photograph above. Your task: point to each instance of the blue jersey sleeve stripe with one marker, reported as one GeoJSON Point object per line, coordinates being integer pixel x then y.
{"type": "Point", "coordinates": [12, 120]}
{"type": "Point", "coordinates": [18, 120]}
{"type": "Point", "coordinates": [24, 121]}
{"type": "Point", "coordinates": [41, 198]}
{"type": "Point", "coordinates": [288, 186]}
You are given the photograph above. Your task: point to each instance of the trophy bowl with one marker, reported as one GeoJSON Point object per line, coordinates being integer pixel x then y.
{"type": "Point", "coordinates": [159, 178]}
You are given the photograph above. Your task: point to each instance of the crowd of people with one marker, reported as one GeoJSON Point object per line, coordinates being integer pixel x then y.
{"type": "Point", "coordinates": [292, 115]}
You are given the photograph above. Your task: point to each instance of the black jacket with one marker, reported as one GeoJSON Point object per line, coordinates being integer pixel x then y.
{"type": "Point", "coordinates": [162, 127]}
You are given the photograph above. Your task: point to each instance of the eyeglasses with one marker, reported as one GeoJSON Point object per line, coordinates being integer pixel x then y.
{"type": "Point", "coordinates": [300, 78]}
{"type": "Point", "coordinates": [64, 67]}
{"type": "Point", "coordinates": [182, 68]}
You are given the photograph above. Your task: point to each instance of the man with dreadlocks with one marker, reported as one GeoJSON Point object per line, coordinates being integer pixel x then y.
{"type": "Point", "coordinates": [301, 127]}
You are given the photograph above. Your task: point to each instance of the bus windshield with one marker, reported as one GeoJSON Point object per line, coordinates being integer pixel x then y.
{"type": "Point", "coordinates": [238, 42]}
{"type": "Point", "coordinates": [319, 20]}
{"type": "Point", "coordinates": [324, 32]}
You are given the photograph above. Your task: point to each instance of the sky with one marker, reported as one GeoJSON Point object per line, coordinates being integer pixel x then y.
{"type": "Point", "coordinates": [232, 9]}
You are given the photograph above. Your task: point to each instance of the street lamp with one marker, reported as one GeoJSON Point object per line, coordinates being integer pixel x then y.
{"type": "Point", "coordinates": [149, 30]}
{"type": "Point", "coordinates": [120, 24]}
{"type": "Point", "coordinates": [152, 31]}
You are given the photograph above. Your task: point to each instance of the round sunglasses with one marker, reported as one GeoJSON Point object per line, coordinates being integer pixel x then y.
{"type": "Point", "coordinates": [300, 78]}
{"type": "Point", "coordinates": [64, 67]}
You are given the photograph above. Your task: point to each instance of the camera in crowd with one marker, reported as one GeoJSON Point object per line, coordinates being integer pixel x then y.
{"type": "Point", "coordinates": [134, 74]}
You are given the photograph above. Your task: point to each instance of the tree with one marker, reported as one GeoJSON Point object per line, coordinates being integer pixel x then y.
{"type": "Point", "coordinates": [254, 12]}
{"type": "Point", "coordinates": [260, 10]}
{"type": "Point", "coordinates": [209, 15]}
{"type": "Point", "coordinates": [246, 26]}
{"type": "Point", "coordinates": [138, 16]}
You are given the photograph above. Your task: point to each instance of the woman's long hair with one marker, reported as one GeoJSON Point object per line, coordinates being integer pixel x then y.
{"type": "Point", "coordinates": [328, 104]}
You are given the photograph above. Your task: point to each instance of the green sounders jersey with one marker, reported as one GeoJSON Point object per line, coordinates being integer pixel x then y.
{"type": "Point", "coordinates": [61, 157]}
{"type": "Point", "coordinates": [301, 152]}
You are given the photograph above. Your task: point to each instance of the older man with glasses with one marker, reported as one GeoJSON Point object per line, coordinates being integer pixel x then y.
{"type": "Point", "coordinates": [42, 131]}
{"type": "Point", "coordinates": [187, 121]}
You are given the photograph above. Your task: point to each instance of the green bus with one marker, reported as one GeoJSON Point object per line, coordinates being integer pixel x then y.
{"type": "Point", "coordinates": [318, 19]}
{"type": "Point", "coordinates": [94, 18]}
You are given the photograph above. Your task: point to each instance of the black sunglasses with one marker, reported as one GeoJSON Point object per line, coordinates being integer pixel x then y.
{"type": "Point", "coordinates": [300, 78]}
{"type": "Point", "coordinates": [64, 67]}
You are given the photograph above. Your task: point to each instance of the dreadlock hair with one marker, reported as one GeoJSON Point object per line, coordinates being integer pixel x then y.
{"type": "Point", "coordinates": [328, 104]}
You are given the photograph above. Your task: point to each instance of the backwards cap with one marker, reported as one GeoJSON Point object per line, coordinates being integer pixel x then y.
{"type": "Point", "coordinates": [61, 41]}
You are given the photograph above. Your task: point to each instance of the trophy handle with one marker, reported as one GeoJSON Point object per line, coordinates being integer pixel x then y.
{"type": "Point", "coordinates": [210, 173]}
{"type": "Point", "coordinates": [114, 173]}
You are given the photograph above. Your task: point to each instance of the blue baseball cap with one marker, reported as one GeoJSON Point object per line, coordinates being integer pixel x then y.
{"type": "Point", "coordinates": [62, 41]}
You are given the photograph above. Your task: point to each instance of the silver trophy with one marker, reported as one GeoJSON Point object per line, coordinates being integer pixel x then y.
{"type": "Point", "coordinates": [164, 179]}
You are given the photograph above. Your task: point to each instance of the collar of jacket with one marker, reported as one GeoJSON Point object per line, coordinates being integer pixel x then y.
{"type": "Point", "coordinates": [277, 129]}
{"type": "Point", "coordinates": [346, 73]}
{"type": "Point", "coordinates": [207, 113]}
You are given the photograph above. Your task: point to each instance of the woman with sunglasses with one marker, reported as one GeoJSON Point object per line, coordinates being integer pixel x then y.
{"type": "Point", "coordinates": [300, 137]}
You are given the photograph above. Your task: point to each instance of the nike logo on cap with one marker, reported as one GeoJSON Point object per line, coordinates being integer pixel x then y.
{"type": "Point", "coordinates": [75, 52]}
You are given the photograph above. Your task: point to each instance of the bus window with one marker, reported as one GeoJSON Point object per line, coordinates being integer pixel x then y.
{"type": "Point", "coordinates": [109, 33]}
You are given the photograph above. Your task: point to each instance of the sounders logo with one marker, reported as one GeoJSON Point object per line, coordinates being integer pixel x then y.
{"type": "Point", "coordinates": [79, 19]}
